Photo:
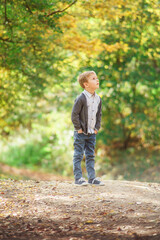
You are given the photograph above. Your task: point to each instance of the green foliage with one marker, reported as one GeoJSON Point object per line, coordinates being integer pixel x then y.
{"type": "Point", "coordinates": [129, 74]}
{"type": "Point", "coordinates": [44, 147]}
{"type": "Point", "coordinates": [44, 45]}
{"type": "Point", "coordinates": [31, 154]}
{"type": "Point", "coordinates": [44, 154]}
{"type": "Point", "coordinates": [29, 49]}
{"type": "Point", "coordinates": [132, 164]}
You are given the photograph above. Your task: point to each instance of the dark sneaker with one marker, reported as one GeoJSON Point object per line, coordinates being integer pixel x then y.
{"type": "Point", "coordinates": [96, 181]}
{"type": "Point", "coordinates": [81, 182]}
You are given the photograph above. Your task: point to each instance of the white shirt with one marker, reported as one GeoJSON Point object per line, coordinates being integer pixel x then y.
{"type": "Point", "coordinates": [93, 101]}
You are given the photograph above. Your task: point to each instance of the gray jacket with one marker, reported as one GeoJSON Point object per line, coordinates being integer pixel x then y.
{"type": "Point", "coordinates": [80, 114]}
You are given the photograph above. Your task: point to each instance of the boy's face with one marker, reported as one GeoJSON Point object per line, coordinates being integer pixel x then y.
{"type": "Point", "coordinates": [92, 83]}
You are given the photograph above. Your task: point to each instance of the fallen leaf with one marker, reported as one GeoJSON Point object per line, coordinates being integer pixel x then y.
{"type": "Point", "coordinates": [119, 229]}
{"type": "Point", "coordinates": [89, 222]}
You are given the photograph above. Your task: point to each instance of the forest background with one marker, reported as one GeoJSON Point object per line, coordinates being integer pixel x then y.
{"type": "Point", "coordinates": [44, 46]}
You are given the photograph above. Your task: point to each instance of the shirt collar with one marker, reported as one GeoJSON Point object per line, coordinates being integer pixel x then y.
{"type": "Point", "coordinates": [88, 93]}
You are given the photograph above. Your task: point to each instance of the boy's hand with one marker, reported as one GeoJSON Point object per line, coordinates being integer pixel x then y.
{"type": "Point", "coordinates": [80, 131]}
{"type": "Point", "coordinates": [95, 131]}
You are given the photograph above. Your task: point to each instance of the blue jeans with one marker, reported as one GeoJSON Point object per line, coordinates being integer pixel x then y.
{"type": "Point", "coordinates": [84, 144]}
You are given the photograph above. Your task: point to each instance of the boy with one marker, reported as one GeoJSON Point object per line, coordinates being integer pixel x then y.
{"type": "Point", "coordinates": [86, 118]}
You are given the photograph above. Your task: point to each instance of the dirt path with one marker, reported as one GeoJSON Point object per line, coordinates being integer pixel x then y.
{"type": "Point", "coordinates": [119, 210]}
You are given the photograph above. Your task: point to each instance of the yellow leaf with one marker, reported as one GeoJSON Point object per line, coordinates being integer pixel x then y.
{"type": "Point", "coordinates": [89, 221]}
{"type": "Point", "coordinates": [109, 84]}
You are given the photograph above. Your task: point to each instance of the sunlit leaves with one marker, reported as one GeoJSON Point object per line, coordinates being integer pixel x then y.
{"type": "Point", "coordinates": [44, 47]}
{"type": "Point", "coordinates": [29, 47]}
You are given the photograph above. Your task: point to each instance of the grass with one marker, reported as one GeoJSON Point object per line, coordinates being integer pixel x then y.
{"type": "Point", "coordinates": [139, 164]}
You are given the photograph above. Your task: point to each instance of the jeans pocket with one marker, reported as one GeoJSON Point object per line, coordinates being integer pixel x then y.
{"type": "Point", "coordinates": [77, 135]}
{"type": "Point", "coordinates": [80, 135]}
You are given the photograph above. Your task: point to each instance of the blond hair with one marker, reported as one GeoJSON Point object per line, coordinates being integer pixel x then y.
{"type": "Point", "coordinates": [83, 77]}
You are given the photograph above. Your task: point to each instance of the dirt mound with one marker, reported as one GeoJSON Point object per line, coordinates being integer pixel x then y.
{"type": "Point", "coordinates": [61, 210]}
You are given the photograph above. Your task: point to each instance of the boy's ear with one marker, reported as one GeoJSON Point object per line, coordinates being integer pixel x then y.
{"type": "Point", "coordinates": [85, 84]}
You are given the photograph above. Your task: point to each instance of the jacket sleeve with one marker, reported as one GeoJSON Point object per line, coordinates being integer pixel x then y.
{"type": "Point", "coordinates": [75, 113]}
{"type": "Point", "coordinates": [98, 116]}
